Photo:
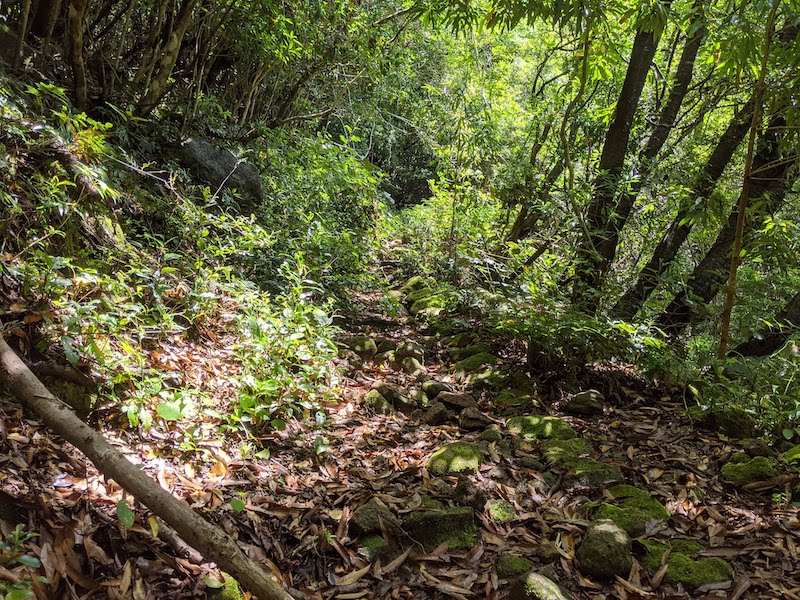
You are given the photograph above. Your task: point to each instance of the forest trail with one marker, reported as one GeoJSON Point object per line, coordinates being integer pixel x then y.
{"type": "Point", "coordinates": [356, 510]}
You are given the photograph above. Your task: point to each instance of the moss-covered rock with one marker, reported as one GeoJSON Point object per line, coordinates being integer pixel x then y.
{"type": "Point", "coordinates": [419, 294]}
{"type": "Point", "coordinates": [460, 340]}
{"type": "Point", "coordinates": [681, 567]}
{"type": "Point", "coordinates": [535, 586]}
{"type": "Point", "coordinates": [415, 283]}
{"type": "Point", "coordinates": [373, 547]}
{"type": "Point", "coordinates": [412, 366]}
{"type": "Point", "coordinates": [475, 362]}
{"type": "Point", "coordinates": [605, 551]}
{"type": "Point", "coordinates": [586, 403]}
{"type": "Point", "coordinates": [229, 591]}
{"type": "Point", "coordinates": [792, 454]}
{"type": "Point", "coordinates": [377, 402]}
{"type": "Point", "coordinates": [486, 379]}
{"type": "Point", "coordinates": [501, 511]}
{"type": "Point", "coordinates": [729, 420]}
{"type": "Point", "coordinates": [591, 473]}
{"type": "Point", "coordinates": [759, 468]}
{"type": "Point", "coordinates": [458, 457]}
{"type": "Point", "coordinates": [362, 345]}
{"type": "Point", "coordinates": [509, 566]}
{"type": "Point", "coordinates": [430, 528]}
{"type": "Point", "coordinates": [409, 348]}
{"type": "Point", "coordinates": [541, 427]}
{"type": "Point", "coordinates": [433, 388]}
{"type": "Point", "coordinates": [459, 353]}
{"type": "Point", "coordinates": [566, 451]}
{"type": "Point", "coordinates": [424, 304]}
{"type": "Point", "coordinates": [491, 434]}
{"type": "Point", "coordinates": [637, 509]}
{"type": "Point", "coordinates": [369, 516]}
{"type": "Point", "coordinates": [513, 397]}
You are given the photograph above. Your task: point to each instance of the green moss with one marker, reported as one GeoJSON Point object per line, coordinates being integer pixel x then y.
{"type": "Point", "coordinates": [430, 528]}
{"type": "Point", "coordinates": [535, 586]}
{"type": "Point", "coordinates": [509, 566]}
{"type": "Point", "coordinates": [739, 458]}
{"type": "Point", "coordinates": [681, 567]}
{"type": "Point", "coordinates": [475, 362]}
{"type": "Point", "coordinates": [486, 378]}
{"type": "Point", "coordinates": [636, 511]}
{"type": "Point", "coordinates": [457, 457]}
{"type": "Point", "coordinates": [425, 303]}
{"type": "Point", "coordinates": [491, 434]}
{"type": "Point", "coordinates": [793, 454]}
{"type": "Point", "coordinates": [373, 547]}
{"type": "Point", "coordinates": [730, 420]}
{"type": "Point", "coordinates": [566, 452]}
{"type": "Point", "coordinates": [419, 294]}
{"type": "Point", "coordinates": [541, 427]}
{"type": "Point", "coordinates": [592, 473]}
{"type": "Point", "coordinates": [229, 591]}
{"type": "Point", "coordinates": [501, 511]}
{"type": "Point", "coordinates": [462, 353]}
{"type": "Point", "coordinates": [377, 402]}
{"type": "Point", "coordinates": [415, 283]}
{"type": "Point", "coordinates": [759, 468]}
{"type": "Point", "coordinates": [513, 398]}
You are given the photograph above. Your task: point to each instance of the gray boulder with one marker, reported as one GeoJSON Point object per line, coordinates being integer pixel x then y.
{"type": "Point", "coordinates": [605, 551]}
{"type": "Point", "coordinates": [220, 168]}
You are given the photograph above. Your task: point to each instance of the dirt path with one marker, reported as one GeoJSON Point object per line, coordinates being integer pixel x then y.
{"type": "Point", "coordinates": [303, 505]}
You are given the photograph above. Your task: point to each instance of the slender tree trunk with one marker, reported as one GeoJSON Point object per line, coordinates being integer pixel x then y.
{"type": "Point", "coordinates": [776, 336]}
{"type": "Point", "coordinates": [21, 32]}
{"type": "Point", "coordinates": [711, 273]}
{"type": "Point", "coordinates": [593, 258]}
{"type": "Point", "coordinates": [210, 540]}
{"type": "Point", "coordinates": [610, 237]}
{"type": "Point", "coordinates": [667, 249]}
{"type": "Point", "coordinates": [158, 85]}
{"type": "Point", "coordinates": [77, 12]}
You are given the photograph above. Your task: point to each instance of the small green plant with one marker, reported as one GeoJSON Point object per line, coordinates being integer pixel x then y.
{"type": "Point", "coordinates": [14, 559]}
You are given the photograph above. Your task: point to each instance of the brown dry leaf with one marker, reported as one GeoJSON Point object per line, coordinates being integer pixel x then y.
{"type": "Point", "coordinates": [352, 577]}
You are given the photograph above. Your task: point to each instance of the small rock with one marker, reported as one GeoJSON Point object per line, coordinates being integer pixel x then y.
{"type": "Point", "coordinates": [433, 527]}
{"type": "Point", "coordinates": [755, 448]}
{"type": "Point", "coordinates": [587, 403]}
{"type": "Point", "coordinates": [437, 414]}
{"type": "Point", "coordinates": [475, 362]}
{"type": "Point", "coordinates": [469, 494]}
{"type": "Point", "coordinates": [411, 349]}
{"type": "Point", "coordinates": [386, 345]}
{"type": "Point", "coordinates": [383, 358]}
{"type": "Point", "coordinates": [462, 353]}
{"type": "Point", "coordinates": [541, 427]}
{"type": "Point", "coordinates": [471, 419]}
{"type": "Point", "coordinates": [415, 283]}
{"type": "Point", "coordinates": [458, 457]}
{"type": "Point", "coordinates": [508, 566]}
{"type": "Point", "coordinates": [419, 294]}
{"type": "Point", "coordinates": [535, 586]}
{"type": "Point", "coordinates": [605, 551]}
{"type": "Point", "coordinates": [433, 388]}
{"type": "Point", "coordinates": [501, 511]}
{"type": "Point", "coordinates": [491, 434]}
{"type": "Point", "coordinates": [377, 402]}
{"type": "Point", "coordinates": [412, 366]}
{"type": "Point", "coordinates": [760, 468]}
{"type": "Point", "coordinates": [636, 510]}
{"type": "Point", "coordinates": [455, 400]}
{"type": "Point", "coordinates": [730, 420]}
{"type": "Point", "coordinates": [368, 517]}
{"type": "Point", "coordinates": [362, 345]}
{"type": "Point", "coordinates": [373, 547]}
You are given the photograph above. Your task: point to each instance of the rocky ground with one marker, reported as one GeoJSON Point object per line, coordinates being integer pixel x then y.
{"type": "Point", "coordinates": [448, 472]}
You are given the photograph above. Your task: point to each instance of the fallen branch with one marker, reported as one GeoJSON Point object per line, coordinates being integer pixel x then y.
{"type": "Point", "coordinates": [211, 542]}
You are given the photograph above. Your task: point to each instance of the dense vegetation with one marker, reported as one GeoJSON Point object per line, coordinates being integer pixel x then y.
{"type": "Point", "coordinates": [200, 197]}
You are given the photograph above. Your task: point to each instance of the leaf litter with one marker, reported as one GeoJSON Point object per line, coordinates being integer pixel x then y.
{"type": "Point", "coordinates": [295, 506]}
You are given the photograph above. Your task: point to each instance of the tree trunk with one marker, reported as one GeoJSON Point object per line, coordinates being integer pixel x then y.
{"type": "Point", "coordinates": [776, 336]}
{"type": "Point", "coordinates": [608, 241]}
{"type": "Point", "coordinates": [21, 32]}
{"type": "Point", "coordinates": [163, 70]}
{"type": "Point", "coordinates": [211, 541]}
{"type": "Point", "coordinates": [770, 186]}
{"type": "Point", "coordinates": [667, 249]}
{"type": "Point", "coordinates": [593, 258]}
{"type": "Point", "coordinates": [77, 12]}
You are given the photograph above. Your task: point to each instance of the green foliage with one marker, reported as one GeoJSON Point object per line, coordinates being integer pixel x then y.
{"type": "Point", "coordinates": [13, 557]}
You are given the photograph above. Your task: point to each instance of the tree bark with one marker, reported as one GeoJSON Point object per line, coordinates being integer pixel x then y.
{"type": "Point", "coordinates": [77, 12]}
{"type": "Point", "coordinates": [770, 186]}
{"type": "Point", "coordinates": [677, 232]}
{"type": "Point", "coordinates": [592, 258]}
{"type": "Point", "coordinates": [609, 239]}
{"type": "Point", "coordinates": [212, 542]}
{"type": "Point", "coordinates": [163, 70]}
{"type": "Point", "coordinates": [776, 336]}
